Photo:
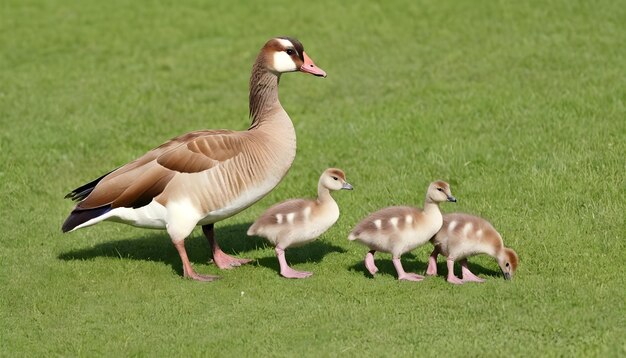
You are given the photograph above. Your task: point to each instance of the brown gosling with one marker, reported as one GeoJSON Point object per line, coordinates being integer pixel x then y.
{"type": "Point", "coordinates": [297, 222]}
{"type": "Point", "coordinates": [464, 235]}
{"type": "Point", "coordinates": [400, 229]}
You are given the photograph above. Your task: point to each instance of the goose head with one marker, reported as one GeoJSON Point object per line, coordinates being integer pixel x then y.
{"type": "Point", "coordinates": [508, 263]}
{"type": "Point", "coordinates": [286, 54]}
{"type": "Point", "coordinates": [334, 179]}
{"type": "Point", "coordinates": [439, 192]}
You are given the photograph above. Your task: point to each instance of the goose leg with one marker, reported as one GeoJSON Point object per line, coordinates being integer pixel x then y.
{"type": "Point", "coordinates": [369, 262]}
{"type": "Point", "coordinates": [221, 259]}
{"type": "Point", "coordinates": [451, 277]}
{"type": "Point", "coordinates": [287, 271]}
{"type": "Point", "coordinates": [409, 276]}
{"type": "Point", "coordinates": [432, 262]}
{"type": "Point", "coordinates": [468, 276]}
{"type": "Point", "coordinates": [188, 271]}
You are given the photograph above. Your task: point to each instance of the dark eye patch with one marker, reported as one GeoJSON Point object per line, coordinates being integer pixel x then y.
{"type": "Point", "coordinates": [335, 178]}
{"type": "Point", "coordinates": [290, 51]}
{"type": "Point", "coordinates": [439, 189]}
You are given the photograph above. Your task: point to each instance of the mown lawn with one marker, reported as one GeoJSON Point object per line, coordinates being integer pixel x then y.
{"type": "Point", "coordinates": [519, 105]}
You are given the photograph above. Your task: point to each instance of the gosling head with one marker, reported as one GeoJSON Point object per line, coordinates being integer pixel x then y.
{"type": "Point", "coordinates": [439, 192]}
{"type": "Point", "coordinates": [334, 179]}
{"type": "Point", "coordinates": [286, 54]}
{"type": "Point", "coordinates": [508, 263]}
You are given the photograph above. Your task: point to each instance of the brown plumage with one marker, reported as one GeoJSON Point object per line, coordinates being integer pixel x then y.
{"type": "Point", "coordinates": [296, 222]}
{"type": "Point", "coordinates": [400, 229]}
{"type": "Point", "coordinates": [204, 176]}
{"type": "Point", "coordinates": [464, 235]}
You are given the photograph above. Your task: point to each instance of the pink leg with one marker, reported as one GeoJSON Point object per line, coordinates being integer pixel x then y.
{"type": "Point", "coordinates": [432, 262]}
{"type": "Point", "coordinates": [451, 277]}
{"type": "Point", "coordinates": [468, 276]}
{"type": "Point", "coordinates": [188, 271]}
{"type": "Point", "coordinates": [287, 271]}
{"type": "Point", "coordinates": [409, 276]}
{"type": "Point", "coordinates": [369, 262]}
{"type": "Point", "coordinates": [222, 260]}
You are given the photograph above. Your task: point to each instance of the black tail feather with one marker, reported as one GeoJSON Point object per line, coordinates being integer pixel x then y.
{"type": "Point", "coordinates": [79, 216]}
{"type": "Point", "coordinates": [82, 192]}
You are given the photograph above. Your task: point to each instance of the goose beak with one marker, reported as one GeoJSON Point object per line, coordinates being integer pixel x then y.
{"type": "Point", "coordinates": [451, 199]}
{"type": "Point", "coordinates": [309, 67]}
{"type": "Point", "coordinates": [507, 276]}
{"type": "Point", "coordinates": [346, 186]}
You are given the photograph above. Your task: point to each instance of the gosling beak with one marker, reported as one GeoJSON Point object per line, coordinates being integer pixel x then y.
{"type": "Point", "coordinates": [309, 67]}
{"type": "Point", "coordinates": [507, 276]}
{"type": "Point", "coordinates": [451, 199]}
{"type": "Point", "coordinates": [346, 186]}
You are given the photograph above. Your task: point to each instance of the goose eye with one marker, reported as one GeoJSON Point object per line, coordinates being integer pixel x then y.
{"type": "Point", "coordinates": [290, 51]}
{"type": "Point", "coordinates": [335, 178]}
{"type": "Point", "coordinates": [439, 189]}
{"type": "Point", "coordinates": [507, 264]}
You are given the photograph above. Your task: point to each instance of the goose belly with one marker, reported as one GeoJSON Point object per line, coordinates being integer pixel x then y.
{"type": "Point", "coordinates": [318, 227]}
{"type": "Point", "coordinates": [412, 239]}
{"type": "Point", "coordinates": [467, 248]}
{"type": "Point", "coordinates": [155, 215]}
{"type": "Point", "coordinates": [151, 216]}
{"type": "Point", "coordinates": [308, 232]}
{"type": "Point", "coordinates": [240, 202]}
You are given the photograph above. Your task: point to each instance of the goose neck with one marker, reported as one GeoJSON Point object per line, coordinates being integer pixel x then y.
{"type": "Point", "coordinates": [323, 194]}
{"type": "Point", "coordinates": [431, 207]}
{"type": "Point", "coordinates": [263, 95]}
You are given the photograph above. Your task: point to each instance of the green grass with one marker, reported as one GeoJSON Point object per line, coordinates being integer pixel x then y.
{"type": "Point", "coordinates": [519, 105]}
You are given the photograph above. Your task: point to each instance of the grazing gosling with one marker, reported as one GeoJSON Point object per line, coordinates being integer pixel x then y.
{"type": "Point", "coordinates": [464, 235]}
{"type": "Point", "coordinates": [399, 229]}
{"type": "Point", "coordinates": [297, 222]}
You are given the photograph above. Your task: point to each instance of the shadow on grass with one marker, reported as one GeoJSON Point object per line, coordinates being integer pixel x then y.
{"type": "Point", "coordinates": [157, 246]}
{"type": "Point", "coordinates": [312, 252]}
{"type": "Point", "coordinates": [385, 266]}
{"type": "Point", "coordinates": [478, 270]}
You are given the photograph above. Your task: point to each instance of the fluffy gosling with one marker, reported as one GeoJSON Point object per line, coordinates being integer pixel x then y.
{"type": "Point", "coordinates": [464, 235]}
{"type": "Point", "coordinates": [400, 229]}
{"type": "Point", "coordinates": [297, 222]}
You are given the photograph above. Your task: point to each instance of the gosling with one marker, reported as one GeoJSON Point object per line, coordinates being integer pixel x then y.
{"type": "Point", "coordinates": [464, 235]}
{"type": "Point", "coordinates": [400, 229]}
{"type": "Point", "coordinates": [297, 222]}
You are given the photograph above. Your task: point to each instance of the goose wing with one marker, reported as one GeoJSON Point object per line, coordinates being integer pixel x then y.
{"type": "Point", "coordinates": [138, 182]}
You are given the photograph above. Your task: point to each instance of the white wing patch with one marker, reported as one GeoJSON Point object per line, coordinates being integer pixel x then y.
{"type": "Point", "coordinates": [290, 217]}
{"type": "Point", "coordinates": [394, 222]}
{"type": "Point", "coordinates": [452, 225]}
{"type": "Point", "coordinates": [409, 219]}
{"type": "Point", "coordinates": [466, 229]}
{"type": "Point", "coordinates": [279, 218]}
{"type": "Point", "coordinates": [378, 224]}
{"type": "Point", "coordinates": [307, 213]}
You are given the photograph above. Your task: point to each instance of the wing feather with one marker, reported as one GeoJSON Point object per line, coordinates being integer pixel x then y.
{"type": "Point", "coordinates": [202, 153]}
{"type": "Point", "coordinates": [138, 182]}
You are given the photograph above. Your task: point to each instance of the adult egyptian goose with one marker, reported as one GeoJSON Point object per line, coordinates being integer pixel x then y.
{"type": "Point", "coordinates": [297, 222]}
{"type": "Point", "coordinates": [205, 176]}
{"type": "Point", "coordinates": [400, 229]}
{"type": "Point", "coordinates": [464, 235]}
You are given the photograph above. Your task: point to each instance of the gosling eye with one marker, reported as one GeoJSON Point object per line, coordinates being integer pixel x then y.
{"type": "Point", "coordinates": [335, 178]}
{"type": "Point", "coordinates": [439, 189]}
{"type": "Point", "coordinates": [507, 264]}
{"type": "Point", "coordinates": [290, 51]}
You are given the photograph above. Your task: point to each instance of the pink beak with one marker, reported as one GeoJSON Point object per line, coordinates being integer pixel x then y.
{"type": "Point", "coordinates": [309, 67]}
